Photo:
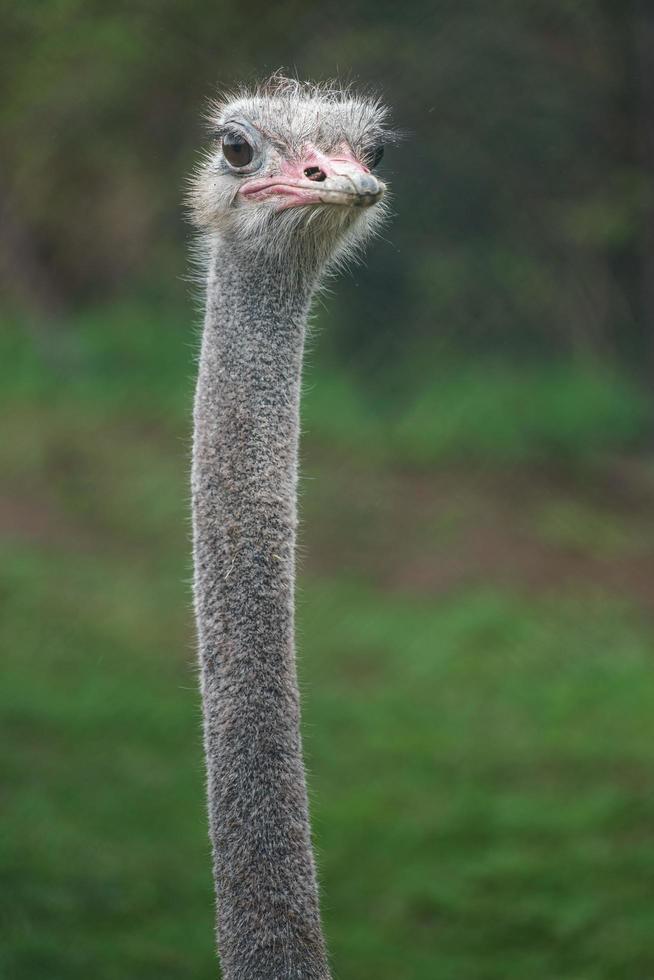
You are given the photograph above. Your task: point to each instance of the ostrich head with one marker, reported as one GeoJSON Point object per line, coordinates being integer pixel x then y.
{"type": "Point", "coordinates": [291, 171]}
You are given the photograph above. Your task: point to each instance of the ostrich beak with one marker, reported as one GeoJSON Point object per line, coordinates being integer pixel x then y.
{"type": "Point", "coordinates": [319, 178]}
{"type": "Point", "coordinates": [350, 185]}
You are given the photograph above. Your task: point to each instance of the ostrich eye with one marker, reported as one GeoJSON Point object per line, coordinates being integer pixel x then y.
{"type": "Point", "coordinates": [376, 155]}
{"type": "Point", "coordinates": [237, 150]}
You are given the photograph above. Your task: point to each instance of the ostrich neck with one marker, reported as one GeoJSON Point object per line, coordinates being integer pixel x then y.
{"type": "Point", "coordinates": [244, 521]}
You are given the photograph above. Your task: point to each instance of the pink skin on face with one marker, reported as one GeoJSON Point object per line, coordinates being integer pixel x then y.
{"type": "Point", "coordinates": [305, 181]}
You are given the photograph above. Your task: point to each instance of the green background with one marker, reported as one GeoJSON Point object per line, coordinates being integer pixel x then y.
{"type": "Point", "coordinates": [476, 565]}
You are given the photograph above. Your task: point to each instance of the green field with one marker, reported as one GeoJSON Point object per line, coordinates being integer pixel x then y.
{"type": "Point", "coordinates": [475, 653]}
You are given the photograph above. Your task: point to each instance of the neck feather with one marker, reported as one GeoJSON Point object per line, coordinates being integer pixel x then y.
{"type": "Point", "coordinates": [244, 521]}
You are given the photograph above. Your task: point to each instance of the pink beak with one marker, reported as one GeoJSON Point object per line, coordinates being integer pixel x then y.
{"type": "Point", "coordinates": [319, 179]}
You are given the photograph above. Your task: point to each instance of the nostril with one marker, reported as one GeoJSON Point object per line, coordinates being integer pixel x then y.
{"type": "Point", "coordinates": [315, 173]}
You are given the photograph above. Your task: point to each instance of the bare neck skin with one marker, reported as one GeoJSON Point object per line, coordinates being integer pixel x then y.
{"type": "Point", "coordinates": [244, 522]}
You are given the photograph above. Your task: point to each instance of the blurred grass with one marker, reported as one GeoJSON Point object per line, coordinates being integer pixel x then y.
{"type": "Point", "coordinates": [480, 759]}
{"type": "Point", "coordinates": [486, 409]}
{"type": "Point", "coordinates": [481, 778]}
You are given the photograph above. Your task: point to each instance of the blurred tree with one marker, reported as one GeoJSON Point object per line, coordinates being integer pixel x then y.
{"type": "Point", "coordinates": [643, 41]}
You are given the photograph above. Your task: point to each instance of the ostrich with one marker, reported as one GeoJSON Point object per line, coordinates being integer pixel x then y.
{"type": "Point", "coordinates": [284, 194]}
